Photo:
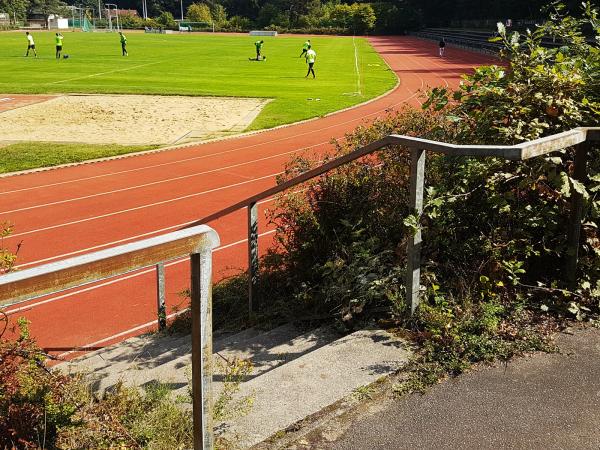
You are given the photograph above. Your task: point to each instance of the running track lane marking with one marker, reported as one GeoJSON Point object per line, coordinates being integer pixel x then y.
{"type": "Point", "coordinates": [104, 73]}
{"type": "Point", "coordinates": [413, 94]}
{"type": "Point", "coordinates": [139, 186]}
{"type": "Point", "coordinates": [123, 278]}
{"type": "Point", "coordinates": [119, 241]}
{"type": "Point", "coordinates": [6, 99]}
{"type": "Point", "coordinates": [148, 205]}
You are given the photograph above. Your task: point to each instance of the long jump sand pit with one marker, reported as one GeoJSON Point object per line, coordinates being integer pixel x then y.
{"type": "Point", "coordinates": [128, 119]}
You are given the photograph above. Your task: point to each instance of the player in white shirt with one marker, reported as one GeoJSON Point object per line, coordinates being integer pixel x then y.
{"type": "Point", "coordinates": [30, 44]}
{"type": "Point", "coordinates": [311, 57]}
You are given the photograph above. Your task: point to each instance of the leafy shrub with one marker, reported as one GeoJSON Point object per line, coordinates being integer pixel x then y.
{"type": "Point", "coordinates": [486, 221]}
{"type": "Point", "coordinates": [166, 20]}
{"type": "Point", "coordinates": [35, 403]}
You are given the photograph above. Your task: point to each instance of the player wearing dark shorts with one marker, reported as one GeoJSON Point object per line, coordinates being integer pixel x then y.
{"type": "Point", "coordinates": [123, 44]}
{"type": "Point", "coordinates": [442, 45]}
{"type": "Point", "coordinates": [311, 57]}
{"type": "Point", "coordinates": [30, 44]}
{"type": "Point", "coordinates": [258, 45]}
{"type": "Point", "coordinates": [58, 39]}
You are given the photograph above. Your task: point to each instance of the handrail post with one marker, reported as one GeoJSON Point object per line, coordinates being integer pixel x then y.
{"type": "Point", "coordinates": [201, 306]}
{"type": "Point", "coordinates": [574, 231]}
{"type": "Point", "coordinates": [160, 296]}
{"type": "Point", "coordinates": [413, 269]}
{"type": "Point", "coordinates": [253, 303]}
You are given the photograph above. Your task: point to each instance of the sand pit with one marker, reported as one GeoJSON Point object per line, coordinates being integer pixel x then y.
{"type": "Point", "coordinates": [128, 119]}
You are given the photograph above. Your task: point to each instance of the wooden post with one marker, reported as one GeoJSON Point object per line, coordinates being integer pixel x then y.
{"type": "Point", "coordinates": [201, 299]}
{"type": "Point", "coordinates": [160, 296]}
{"type": "Point", "coordinates": [413, 269]}
{"type": "Point", "coordinates": [253, 302]}
{"type": "Point", "coordinates": [574, 232]}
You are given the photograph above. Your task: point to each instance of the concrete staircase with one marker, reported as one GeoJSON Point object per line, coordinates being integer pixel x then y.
{"type": "Point", "coordinates": [296, 372]}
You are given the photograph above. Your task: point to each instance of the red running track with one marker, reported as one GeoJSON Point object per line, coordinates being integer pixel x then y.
{"type": "Point", "coordinates": [75, 210]}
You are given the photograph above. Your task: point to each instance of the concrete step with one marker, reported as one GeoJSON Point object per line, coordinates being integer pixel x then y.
{"type": "Point", "coordinates": [306, 385]}
{"type": "Point", "coordinates": [167, 359]}
{"type": "Point", "coordinates": [296, 373]}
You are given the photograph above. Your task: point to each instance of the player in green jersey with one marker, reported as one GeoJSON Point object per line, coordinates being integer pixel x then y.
{"type": "Point", "coordinates": [58, 39]}
{"type": "Point", "coordinates": [258, 45]}
{"type": "Point", "coordinates": [305, 48]}
{"type": "Point", "coordinates": [123, 43]}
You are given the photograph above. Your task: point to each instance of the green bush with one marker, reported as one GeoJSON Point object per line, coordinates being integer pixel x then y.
{"type": "Point", "coordinates": [35, 403]}
{"type": "Point", "coordinates": [494, 230]}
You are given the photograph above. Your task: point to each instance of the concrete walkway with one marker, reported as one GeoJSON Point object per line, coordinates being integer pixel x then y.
{"type": "Point", "coordinates": [545, 401]}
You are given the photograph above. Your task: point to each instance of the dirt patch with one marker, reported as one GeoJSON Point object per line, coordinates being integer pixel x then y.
{"type": "Point", "coordinates": [128, 119]}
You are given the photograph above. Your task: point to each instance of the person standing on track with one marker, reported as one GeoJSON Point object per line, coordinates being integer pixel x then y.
{"type": "Point", "coordinates": [58, 39]}
{"type": "Point", "coordinates": [30, 44]}
{"type": "Point", "coordinates": [258, 45]}
{"type": "Point", "coordinates": [305, 48]}
{"type": "Point", "coordinates": [311, 57]}
{"type": "Point", "coordinates": [442, 46]}
{"type": "Point", "coordinates": [123, 43]}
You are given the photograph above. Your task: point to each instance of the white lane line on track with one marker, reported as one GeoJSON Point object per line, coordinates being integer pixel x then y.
{"type": "Point", "coordinates": [245, 147]}
{"type": "Point", "coordinates": [92, 345]}
{"type": "Point", "coordinates": [99, 74]}
{"type": "Point", "coordinates": [148, 205]}
{"type": "Point", "coordinates": [139, 186]}
{"type": "Point", "coordinates": [123, 278]}
{"type": "Point", "coordinates": [119, 241]}
{"type": "Point", "coordinates": [5, 99]}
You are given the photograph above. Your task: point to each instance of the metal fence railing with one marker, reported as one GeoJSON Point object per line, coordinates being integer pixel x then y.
{"type": "Point", "coordinates": [581, 138]}
{"type": "Point", "coordinates": [197, 242]}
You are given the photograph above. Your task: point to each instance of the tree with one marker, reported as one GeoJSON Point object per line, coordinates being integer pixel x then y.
{"type": "Point", "coordinates": [363, 18]}
{"type": "Point", "coordinates": [199, 12]}
{"type": "Point", "coordinates": [17, 9]}
{"type": "Point", "coordinates": [167, 20]}
{"type": "Point", "coordinates": [47, 7]}
{"type": "Point", "coordinates": [218, 13]}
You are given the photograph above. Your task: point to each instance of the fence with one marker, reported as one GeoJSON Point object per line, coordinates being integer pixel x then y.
{"type": "Point", "coordinates": [198, 240]}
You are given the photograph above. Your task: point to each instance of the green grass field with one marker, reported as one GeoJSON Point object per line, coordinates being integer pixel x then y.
{"type": "Point", "coordinates": [189, 64]}
{"type": "Point", "coordinates": [31, 155]}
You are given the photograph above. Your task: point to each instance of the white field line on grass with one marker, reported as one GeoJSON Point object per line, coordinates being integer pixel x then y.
{"type": "Point", "coordinates": [153, 183]}
{"type": "Point", "coordinates": [122, 278]}
{"type": "Point", "coordinates": [136, 208]}
{"type": "Point", "coordinates": [358, 89]}
{"type": "Point", "coordinates": [99, 74]}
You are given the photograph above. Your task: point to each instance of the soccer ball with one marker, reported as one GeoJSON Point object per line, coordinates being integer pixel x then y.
{"type": "Point", "coordinates": [65, 56]}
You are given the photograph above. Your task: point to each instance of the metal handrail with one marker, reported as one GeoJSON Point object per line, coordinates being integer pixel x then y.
{"type": "Point", "coordinates": [197, 242]}
{"type": "Point", "coordinates": [578, 137]}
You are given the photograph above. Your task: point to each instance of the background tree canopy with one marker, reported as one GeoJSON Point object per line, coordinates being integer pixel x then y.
{"type": "Point", "coordinates": [384, 17]}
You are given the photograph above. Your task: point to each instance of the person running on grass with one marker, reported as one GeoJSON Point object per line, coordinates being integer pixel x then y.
{"type": "Point", "coordinates": [258, 45]}
{"type": "Point", "coordinates": [311, 57]}
{"type": "Point", "coordinates": [30, 44]}
{"type": "Point", "coordinates": [442, 45]}
{"type": "Point", "coordinates": [123, 43]}
{"type": "Point", "coordinates": [304, 48]}
{"type": "Point", "coordinates": [58, 39]}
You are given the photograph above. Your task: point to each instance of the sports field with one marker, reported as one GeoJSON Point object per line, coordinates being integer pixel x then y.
{"type": "Point", "coordinates": [348, 70]}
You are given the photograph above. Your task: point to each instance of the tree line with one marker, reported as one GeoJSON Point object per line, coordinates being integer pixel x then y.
{"type": "Point", "coordinates": [337, 16]}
